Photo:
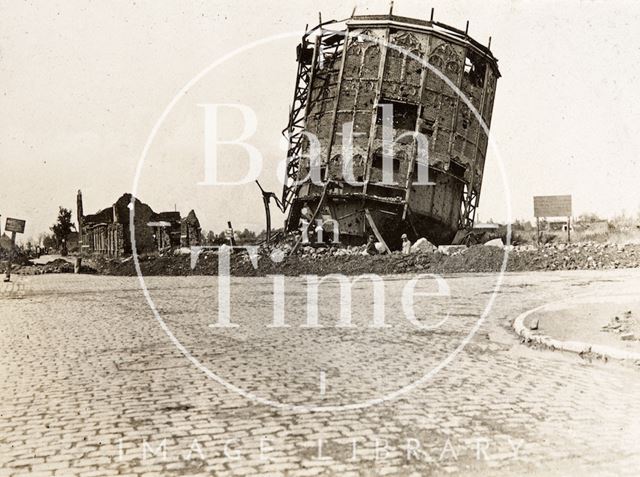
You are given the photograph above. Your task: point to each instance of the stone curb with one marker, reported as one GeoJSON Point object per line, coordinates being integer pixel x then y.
{"type": "Point", "coordinates": [578, 347]}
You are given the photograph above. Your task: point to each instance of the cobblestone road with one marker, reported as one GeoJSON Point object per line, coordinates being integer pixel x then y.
{"type": "Point", "coordinates": [92, 385]}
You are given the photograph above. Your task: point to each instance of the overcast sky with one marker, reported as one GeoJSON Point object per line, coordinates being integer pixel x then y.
{"type": "Point", "coordinates": [83, 83]}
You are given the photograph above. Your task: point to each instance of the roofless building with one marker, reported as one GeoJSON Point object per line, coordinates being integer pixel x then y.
{"type": "Point", "coordinates": [347, 72]}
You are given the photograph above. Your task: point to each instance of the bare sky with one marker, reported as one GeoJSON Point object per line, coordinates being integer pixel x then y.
{"type": "Point", "coordinates": [83, 83]}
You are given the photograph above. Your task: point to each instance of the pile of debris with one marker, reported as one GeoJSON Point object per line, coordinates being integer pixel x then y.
{"type": "Point", "coordinates": [58, 265]}
{"type": "Point", "coordinates": [423, 257]}
{"type": "Point", "coordinates": [354, 260]}
{"type": "Point", "coordinates": [575, 256]}
{"type": "Point", "coordinates": [627, 328]}
{"type": "Point", "coordinates": [19, 257]}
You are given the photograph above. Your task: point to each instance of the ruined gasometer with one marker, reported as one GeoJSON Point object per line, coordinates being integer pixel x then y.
{"type": "Point", "coordinates": [353, 71]}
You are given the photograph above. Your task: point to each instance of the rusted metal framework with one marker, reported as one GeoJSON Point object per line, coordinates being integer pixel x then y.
{"type": "Point", "coordinates": [347, 72]}
{"type": "Point", "coordinates": [327, 46]}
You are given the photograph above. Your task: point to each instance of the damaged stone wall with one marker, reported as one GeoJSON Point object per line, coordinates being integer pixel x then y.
{"type": "Point", "coordinates": [107, 232]}
{"type": "Point", "coordinates": [190, 230]}
{"type": "Point", "coordinates": [107, 239]}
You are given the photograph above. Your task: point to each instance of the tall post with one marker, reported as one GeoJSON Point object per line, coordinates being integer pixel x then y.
{"type": "Point", "coordinates": [538, 230]}
{"type": "Point", "coordinates": [569, 229]}
{"type": "Point", "coordinates": [79, 216]}
{"type": "Point", "coordinates": [13, 244]}
{"type": "Point", "coordinates": [267, 211]}
{"type": "Point", "coordinates": [232, 239]}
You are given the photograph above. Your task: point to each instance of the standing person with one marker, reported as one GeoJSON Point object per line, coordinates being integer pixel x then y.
{"type": "Point", "coordinates": [305, 222]}
{"type": "Point", "coordinates": [406, 245]}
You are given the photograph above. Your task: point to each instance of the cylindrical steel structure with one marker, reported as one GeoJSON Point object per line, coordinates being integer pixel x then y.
{"type": "Point", "coordinates": [348, 77]}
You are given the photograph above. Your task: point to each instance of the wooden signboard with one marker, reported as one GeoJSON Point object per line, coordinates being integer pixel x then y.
{"type": "Point", "coordinates": [15, 225]}
{"type": "Point", "coordinates": [552, 206]}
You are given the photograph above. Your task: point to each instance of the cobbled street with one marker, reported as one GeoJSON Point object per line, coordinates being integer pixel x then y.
{"type": "Point", "coordinates": [93, 385]}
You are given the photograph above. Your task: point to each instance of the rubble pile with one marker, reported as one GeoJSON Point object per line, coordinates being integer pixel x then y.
{"type": "Point", "coordinates": [353, 260]}
{"type": "Point", "coordinates": [627, 328]}
{"type": "Point", "coordinates": [56, 266]}
{"type": "Point", "coordinates": [574, 256]}
{"type": "Point", "coordinates": [19, 257]}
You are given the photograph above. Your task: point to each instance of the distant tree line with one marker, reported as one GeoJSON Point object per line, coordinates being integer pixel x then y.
{"type": "Point", "coordinates": [245, 236]}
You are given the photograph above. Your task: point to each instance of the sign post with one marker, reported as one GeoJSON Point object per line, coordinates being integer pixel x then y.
{"type": "Point", "coordinates": [552, 206]}
{"type": "Point", "coordinates": [15, 226]}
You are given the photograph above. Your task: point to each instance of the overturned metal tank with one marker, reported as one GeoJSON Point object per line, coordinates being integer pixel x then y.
{"type": "Point", "coordinates": [346, 73]}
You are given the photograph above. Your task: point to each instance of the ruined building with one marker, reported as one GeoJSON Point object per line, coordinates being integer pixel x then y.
{"type": "Point", "coordinates": [190, 230]}
{"type": "Point", "coordinates": [170, 230]}
{"type": "Point", "coordinates": [346, 73]}
{"type": "Point", "coordinates": [166, 229]}
{"type": "Point", "coordinates": [107, 232]}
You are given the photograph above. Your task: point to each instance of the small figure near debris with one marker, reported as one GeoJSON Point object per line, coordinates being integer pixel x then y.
{"type": "Point", "coordinates": [308, 231]}
{"type": "Point", "coordinates": [406, 245]}
{"type": "Point", "coordinates": [371, 246]}
{"type": "Point", "coordinates": [306, 212]}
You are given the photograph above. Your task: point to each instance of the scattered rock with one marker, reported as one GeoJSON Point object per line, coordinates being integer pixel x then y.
{"type": "Point", "coordinates": [494, 243]}
{"type": "Point", "coordinates": [337, 258]}
{"type": "Point", "coordinates": [451, 249]}
{"type": "Point", "coordinates": [423, 245]}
